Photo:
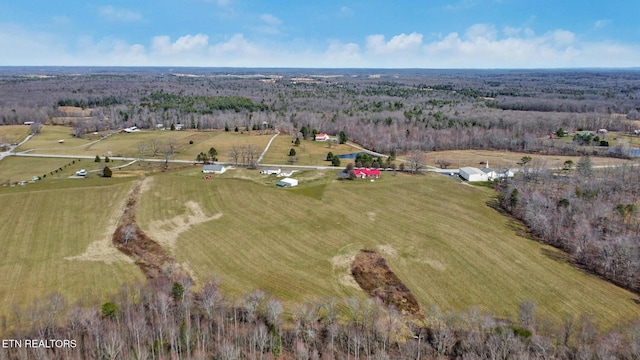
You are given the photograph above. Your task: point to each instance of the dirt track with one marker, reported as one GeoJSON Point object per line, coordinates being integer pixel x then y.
{"type": "Point", "coordinates": [376, 278]}
{"type": "Point", "coordinates": [154, 261]}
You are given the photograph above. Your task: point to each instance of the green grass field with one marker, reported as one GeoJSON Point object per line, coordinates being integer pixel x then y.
{"type": "Point", "coordinates": [16, 168]}
{"type": "Point", "coordinates": [14, 133]}
{"type": "Point", "coordinates": [127, 144]}
{"type": "Point", "coordinates": [56, 238]}
{"type": "Point", "coordinates": [440, 236]}
{"type": "Point", "coordinates": [308, 152]}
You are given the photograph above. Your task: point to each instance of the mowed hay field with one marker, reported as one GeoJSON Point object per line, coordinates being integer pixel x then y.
{"type": "Point", "coordinates": [440, 237]}
{"type": "Point", "coordinates": [128, 144]}
{"type": "Point", "coordinates": [14, 133]}
{"type": "Point", "coordinates": [507, 159]}
{"type": "Point", "coordinates": [57, 238]}
{"type": "Point", "coordinates": [309, 152]}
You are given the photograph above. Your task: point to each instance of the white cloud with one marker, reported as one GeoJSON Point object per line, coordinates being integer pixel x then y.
{"type": "Point", "coordinates": [118, 14]}
{"type": "Point", "coordinates": [376, 44]}
{"type": "Point", "coordinates": [185, 44]}
{"type": "Point", "coordinates": [601, 23]}
{"type": "Point", "coordinates": [479, 46]}
{"type": "Point", "coordinates": [342, 55]}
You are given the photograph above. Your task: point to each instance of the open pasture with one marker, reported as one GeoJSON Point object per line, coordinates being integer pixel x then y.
{"type": "Point", "coordinates": [15, 169]}
{"type": "Point", "coordinates": [137, 144]}
{"type": "Point", "coordinates": [441, 238]}
{"type": "Point", "coordinates": [56, 237]}
{"type": "Point", "coordinates": [14, 133]}
{"type": "Point", "coordinates": [507, 159]}
{"type": "Point", "coordinates": [309, 152]}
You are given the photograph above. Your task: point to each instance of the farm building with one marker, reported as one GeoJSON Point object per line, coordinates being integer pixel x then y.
{"type": "Point", "coordinates": [322, 137]}
{"type": "Point", "coordinates": [367, 173]}
{"type": "Point", "coordinates": [287, 182]}
{"type": "Point", "coordinates": [473, 174]}
{"type": "Point", "coordinates": [213, 169]}
{"type": "Point", "coordinates": [493, 174]}
{"type": "Point", "coordinates": [267, 171]}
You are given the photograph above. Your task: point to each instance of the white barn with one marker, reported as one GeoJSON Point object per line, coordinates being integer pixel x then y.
{"type": "Point", "coordinates": [473, 174]}
{"type": "Point", "coordinates": [288, 182]}
{"type": "Point", "coordinates": [213, 169]}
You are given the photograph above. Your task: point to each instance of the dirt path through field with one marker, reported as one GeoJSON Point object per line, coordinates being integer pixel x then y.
{"type": "Point", "coordinates": [375, 277]}
{"type": "Point", "coordinates": [154, 261]}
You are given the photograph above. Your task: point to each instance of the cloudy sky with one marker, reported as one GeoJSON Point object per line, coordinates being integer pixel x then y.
{"type": "Point", "coordinates": [322, 33]}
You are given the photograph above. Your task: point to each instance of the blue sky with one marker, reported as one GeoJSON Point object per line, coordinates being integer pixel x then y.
{"type": "Point", "coordinates": [322, 33]}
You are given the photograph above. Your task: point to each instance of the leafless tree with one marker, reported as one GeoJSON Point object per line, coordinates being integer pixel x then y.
{"type": "Point", "coordinates": [142, 149]}
{"type": "Point", "coordinates": [154, 146]}
{"type": "Point", "coordinates": [417, 161]}
{"type": "Point", "coordinates": [128, 233]}
{"type": "Point", "coordinates": [169, 151]}
{"type": "Point", "coordinates": [235, 153]}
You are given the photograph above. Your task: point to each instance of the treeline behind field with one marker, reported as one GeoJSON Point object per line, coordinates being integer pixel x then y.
{"type": "Point", "coordinates": [170, 320]}
{"type": "Point", "coordinates": [426, 110]}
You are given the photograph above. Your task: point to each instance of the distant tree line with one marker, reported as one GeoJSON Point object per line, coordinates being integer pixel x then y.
{"type": "Point", "coordinates": [429, 111]}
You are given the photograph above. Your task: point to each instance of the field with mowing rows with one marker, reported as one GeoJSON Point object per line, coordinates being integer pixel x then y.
{"type": "Point", "coordinates": [308, 152]}
{"type": "Point", "coordinates": [128, 144]}
{"type": "Point", "coordinates": [13, 133]}
{"type": "Point", "coordinates": [441, 237]}
{"type": "Point", "coordinates": [56, 237]}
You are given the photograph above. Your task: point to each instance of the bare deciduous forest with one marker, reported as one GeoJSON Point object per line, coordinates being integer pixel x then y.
{"type": "Point", "coordinates": [590, 213]}
{"type": "Point", "coordinates": [161, 320]}
{"type": "Point", "coordinates": [383, 110]}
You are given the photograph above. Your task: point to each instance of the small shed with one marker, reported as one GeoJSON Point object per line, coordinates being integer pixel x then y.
{"type": "Point", "coordinates": [287, 182]}
{"type": "Point", "coordinates": [213, 169]}
{"type": "Point", "coordinates": [473, 174]}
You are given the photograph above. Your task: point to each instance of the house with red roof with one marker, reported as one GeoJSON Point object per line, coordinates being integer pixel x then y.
{"type": "Point", "coordinates": [367, 173]}
{"type": "Point", "coordinates": [322, 137]}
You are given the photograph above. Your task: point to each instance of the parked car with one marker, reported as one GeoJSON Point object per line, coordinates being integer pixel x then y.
{"type": "Point", "coordinates": [82, 172]}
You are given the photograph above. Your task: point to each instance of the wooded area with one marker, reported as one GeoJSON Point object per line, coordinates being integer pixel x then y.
{"type": "Point", "coordinates": [400, 110]}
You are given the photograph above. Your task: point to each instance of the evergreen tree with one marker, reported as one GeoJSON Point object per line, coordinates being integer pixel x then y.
{"type": "Point", "coordinates": [343, 137]}
{"type": "Point", "coordinates": [330, 156]}
{"type": "Point", "coordinates": [213, 154]}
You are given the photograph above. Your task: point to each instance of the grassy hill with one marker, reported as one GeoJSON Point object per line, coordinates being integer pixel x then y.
{"type": "Point", "coordinates": [441, 237]}
{"type": "Point", "coordinates": [56, 238]}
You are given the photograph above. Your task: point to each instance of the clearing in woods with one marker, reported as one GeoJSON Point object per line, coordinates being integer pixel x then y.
{"type": "Point", "coordinates": [440, 238]}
